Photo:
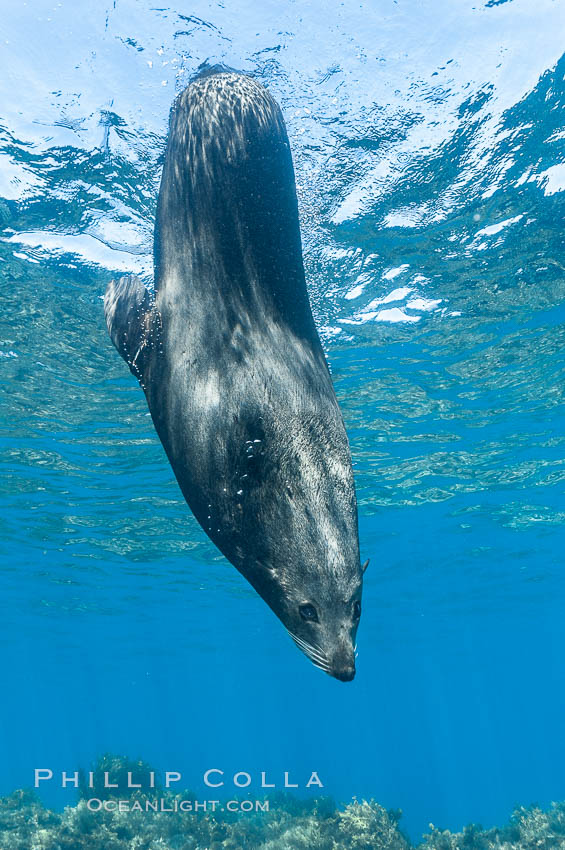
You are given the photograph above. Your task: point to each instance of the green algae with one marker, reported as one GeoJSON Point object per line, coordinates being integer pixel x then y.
{"type": "Point", "coordinates": [289, 824]}
{"type": "Point", "coordinates": [118, 768]}
{"type": "Point", "coordinates": [530, 828]}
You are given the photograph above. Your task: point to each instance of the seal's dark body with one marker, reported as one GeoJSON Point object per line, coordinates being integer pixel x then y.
{"type": "Point", "coordinates": [232, 366]}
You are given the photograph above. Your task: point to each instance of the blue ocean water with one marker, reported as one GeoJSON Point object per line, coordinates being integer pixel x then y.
{"type": "Point", "coordinates": [429, 147]}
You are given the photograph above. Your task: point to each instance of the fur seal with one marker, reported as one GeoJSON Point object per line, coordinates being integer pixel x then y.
{"type": "Point", "coordinates": [230, 361]}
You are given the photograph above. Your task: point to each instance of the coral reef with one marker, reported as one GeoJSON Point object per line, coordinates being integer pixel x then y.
{"type": "Point", "coordinates": [289, 824]}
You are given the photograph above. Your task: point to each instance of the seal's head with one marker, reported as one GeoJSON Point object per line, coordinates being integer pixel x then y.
{"type": "Point", "coordinates": [324, 626]}
{"type": "Point", "coordinates": [322, 618]}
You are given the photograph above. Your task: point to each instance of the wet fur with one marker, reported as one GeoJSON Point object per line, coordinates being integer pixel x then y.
{"type": "Point", "coordinates": [230, 361]}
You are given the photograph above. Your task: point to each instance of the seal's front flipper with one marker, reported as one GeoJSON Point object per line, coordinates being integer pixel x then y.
{"type": "Point", "coordinates": [133, 322]}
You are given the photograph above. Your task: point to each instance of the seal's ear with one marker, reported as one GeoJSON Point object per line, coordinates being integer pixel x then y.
{"type": "Point", "coordinates": [365, 565]}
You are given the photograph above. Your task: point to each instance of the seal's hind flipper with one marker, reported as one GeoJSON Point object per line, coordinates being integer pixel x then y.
{"type": "Point", "coordinates": [133, 321]}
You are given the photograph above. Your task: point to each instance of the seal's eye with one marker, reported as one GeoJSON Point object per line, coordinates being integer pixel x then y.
{"type": "Point", "coordinates": [308, 612]}
{"type": "Point", "coordinates": [356, 609]}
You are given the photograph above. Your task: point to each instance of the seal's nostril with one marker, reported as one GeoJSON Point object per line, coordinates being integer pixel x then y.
{"type": "Point", "coordinates": [344, 674]}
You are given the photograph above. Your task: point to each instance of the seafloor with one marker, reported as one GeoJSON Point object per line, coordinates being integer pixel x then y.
{"type": "Point", "coordinates": [291, 824]}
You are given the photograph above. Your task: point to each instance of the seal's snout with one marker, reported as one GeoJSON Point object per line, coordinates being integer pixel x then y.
{"type": "Point", "coordinates": [343, 666]}
{"type": "Point", "coordinates": [345, 673]}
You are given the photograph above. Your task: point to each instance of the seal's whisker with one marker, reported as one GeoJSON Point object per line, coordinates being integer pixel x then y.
{"type": "Point", "coordinates": [313, 658]}
{"type": "Point", "coordinates": [323, 665]}
{"type": "Point", "coordinates": [316, 659]}
{"type": "Point", "coordinates": [315, 654]}
{"type": "Point", "coordinates": [309, 650]}
{"type": "Point", "coordinates": [305, 643]}
{"type": "Point", "coordinates": [297, 639]}
{"type": "Point", "coordinates": [311, 653]}
{"type": "Point", "coordinates": [307, 647]}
